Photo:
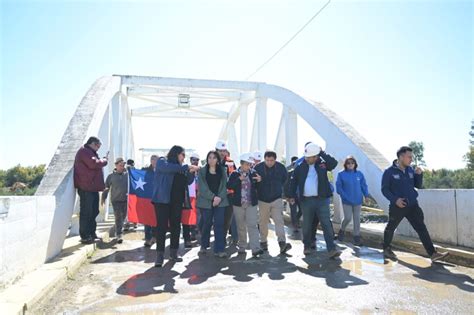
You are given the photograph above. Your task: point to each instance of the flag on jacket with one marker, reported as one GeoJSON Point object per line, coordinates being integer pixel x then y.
{"type": "Point", "coordinates": [140, 208]}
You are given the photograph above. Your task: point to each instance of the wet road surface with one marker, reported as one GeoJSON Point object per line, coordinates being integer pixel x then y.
{"type": "Point", "coordinates": [120, 278]}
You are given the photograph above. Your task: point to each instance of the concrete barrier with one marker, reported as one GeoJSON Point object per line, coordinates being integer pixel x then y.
{"type": "Point", "coordinates": [25, 228]}
{"type": "Point", "coordinates": [465, 216]}
{"type": "Point", "coordinates": [449, 216]}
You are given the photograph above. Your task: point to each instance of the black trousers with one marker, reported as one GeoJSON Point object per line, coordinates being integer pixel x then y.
{"type": "Point", "coordinates": [415, 216]}
{"type": "Point", "coordinates": [89, 210]}
{"type": "Point", "coordinates": [168, 217]}
{"type": "Point", "coordinates": [188, 232]}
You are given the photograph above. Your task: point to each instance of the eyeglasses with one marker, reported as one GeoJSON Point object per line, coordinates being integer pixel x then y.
{"type": "Point", "coordinates": [194, 159]}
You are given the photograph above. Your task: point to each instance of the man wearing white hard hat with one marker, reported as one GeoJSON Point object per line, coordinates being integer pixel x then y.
{"type": "Point", "coordinates": [310, 180]}
{"type": "Point", "coordinates": [228, 163]}
{"type": "Point", "coordinates": [257, 157]}
{"type": "Point", "coordinates": [244, 200]}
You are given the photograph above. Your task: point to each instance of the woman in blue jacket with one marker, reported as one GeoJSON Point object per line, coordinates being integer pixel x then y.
{"type": "Point", "coordinates": [352, 188]}
{"type": "Point", "coordinates": [170, 196]}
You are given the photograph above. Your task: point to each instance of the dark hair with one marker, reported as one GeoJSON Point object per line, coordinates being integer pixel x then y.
{"type": "Point", "coordinates": [294, 158]}
{"type": "Point", "coordinates": [218, 165]}
{"type": "Point", "coordinates": [270, 154]}
{"type": "Point", "coordinates": [130, 162]}
{"type": "Point", "coordinates": [403, 150]}
{"type": "Point", "coordinates": [92, 140]}
{"type": "Point", "coordinates": [349, 158]}
{"type": "Point", "coordinates": [173, 153]}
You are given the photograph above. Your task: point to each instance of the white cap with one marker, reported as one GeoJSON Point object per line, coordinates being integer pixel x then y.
{"type": "Point", "coordinates": [258, 156]}
{"type": "Point", "coordinates": [221, 145]}
{"type": "Point", "coordinates": [247, 157]}
{"type": "Point", "coordinates": [311, 150]}
{"type": "Point", "coordinates": [194, 155]}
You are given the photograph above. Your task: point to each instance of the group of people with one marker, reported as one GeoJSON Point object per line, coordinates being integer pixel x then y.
{"type": "Point", "coordinates": [242, 200]}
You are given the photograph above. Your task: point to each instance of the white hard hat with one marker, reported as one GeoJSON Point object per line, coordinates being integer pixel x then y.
{"type": "Point", "coordinates": [221, 145]}
{"type": "Point", "coordinates": [257, 155]}
{"type": "Point", "coordinates": [194, 155]}
{"type": "Point", "coordinates": [247, 157]}
{"type": "Point", "coordinates": [311, 149]}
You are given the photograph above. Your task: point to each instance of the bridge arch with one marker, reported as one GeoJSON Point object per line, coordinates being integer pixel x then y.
{"type": "Point", "coordinates": [105, 111]}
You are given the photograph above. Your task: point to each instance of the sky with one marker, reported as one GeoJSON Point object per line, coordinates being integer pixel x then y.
{"type": "Point", "coordinates": [396, 71]}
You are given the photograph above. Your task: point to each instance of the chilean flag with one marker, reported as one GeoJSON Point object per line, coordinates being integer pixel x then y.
{"type": "Point", "coordinates": [140, 208]}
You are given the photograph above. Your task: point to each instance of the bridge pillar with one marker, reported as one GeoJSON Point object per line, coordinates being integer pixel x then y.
{"type": "Point", "coordinates": [261, 112]}
{"type": "Point", "coordinates": [338, 211]}
{"type": "Point", "coordinates": [244, 144]}
{"type": "Point", "coordinates": [291, 133]}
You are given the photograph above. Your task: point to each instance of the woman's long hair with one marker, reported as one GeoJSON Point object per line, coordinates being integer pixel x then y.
{"type": "Point", "coordinates": [173, 153]}
{"type": "Point", "coordinates": [218, 165]}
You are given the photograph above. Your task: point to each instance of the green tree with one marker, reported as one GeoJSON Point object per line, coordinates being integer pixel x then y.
{"type": "Point", "coordinates": [469, 157]}
{"type": "Point", "coordinates": [418, 152]}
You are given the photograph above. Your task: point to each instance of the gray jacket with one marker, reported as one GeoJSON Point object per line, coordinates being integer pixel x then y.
{"type": "Point", "coordinates": [118, 184]}
{"type": "Point", "coordinates": [205, 195]}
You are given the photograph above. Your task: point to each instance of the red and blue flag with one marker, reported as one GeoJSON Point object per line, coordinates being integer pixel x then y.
{"type": "Point", "coordinates": [140, 208]}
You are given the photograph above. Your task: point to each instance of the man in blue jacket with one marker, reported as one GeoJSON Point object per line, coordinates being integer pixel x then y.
{"type": "Point", "coordinates": [310, 180]}
{"type": "Point", "coordinates": [398, 186]}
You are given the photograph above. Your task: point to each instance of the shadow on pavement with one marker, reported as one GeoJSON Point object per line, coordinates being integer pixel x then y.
{"type": "Point", "coordinates": [438, 273]}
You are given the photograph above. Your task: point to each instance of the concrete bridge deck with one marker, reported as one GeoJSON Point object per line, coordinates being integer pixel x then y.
{"type": "Point", "coordinates": [120, 278]}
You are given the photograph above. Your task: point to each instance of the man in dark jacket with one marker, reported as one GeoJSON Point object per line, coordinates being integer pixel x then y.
{"type": "Point", "coordinates": [398, 186]}
{"type": "Point", "coordinates": [271, 177]}
{"type": "Point", "coordinates": [310, 179]}
{"type": "Point", "coordinates": [89, 180]}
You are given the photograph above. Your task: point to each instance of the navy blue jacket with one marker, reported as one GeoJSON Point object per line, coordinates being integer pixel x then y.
{"type": "Point", "coordinates": [273, 180]}
{"type": "Point", "coordinates": [324, 164]}
{"type": "Point", "coordinates": [398, 184]}
{"type": "Point", "coordinates": [235, 184]}
{"type": "Point", "coordinates": [163, 180]}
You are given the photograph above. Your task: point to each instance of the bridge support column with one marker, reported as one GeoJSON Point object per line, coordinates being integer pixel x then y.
{"type": "Point", "coordinates": [244, 141]}
{"type": "Point", "coordinates": [261, 112]}
{"type": "Point", "coordinates": [291, 133]}
{"type": "Point", "coordinates": [338, 211]}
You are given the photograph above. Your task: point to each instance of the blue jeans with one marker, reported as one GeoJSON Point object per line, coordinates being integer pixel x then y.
{"type": "Point", "coordinates": [311, 207]}
{"type": "Point", "coordinates": [210, 217]}
{"type": "Point", "coordinates": [149, 232]}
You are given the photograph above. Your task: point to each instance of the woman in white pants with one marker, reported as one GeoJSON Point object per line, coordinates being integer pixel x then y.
{"type": "Point", "coordinates": [244, 201]}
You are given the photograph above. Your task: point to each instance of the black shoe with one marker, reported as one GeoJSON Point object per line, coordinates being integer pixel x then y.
{"type": "Point", "coordinates": [284, 247]}
{"type": "Point", "coordinates": [257, 254]}
{"type": "Point", "coordinates": [188, 244]}
{"type": "Point", "coordinates": [159, 259]}
{"type": "Point", "coordinates": [264, 246]}
{"type": "Point", "coordinates": [357, 241]}
{"type": "Point", "coordinates": [389, 254]}
{"type": "Point", "coordinates": [88, 240]}
{"type": "Point", "coordinates": [174, 256]}
{"type": "Point", "coordinates": [340, 236]}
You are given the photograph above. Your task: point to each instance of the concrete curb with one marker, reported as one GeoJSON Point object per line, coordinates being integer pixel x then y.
{"type": "Point", "coordinates": [374, 238]}
{"type": "Point", "coordinates": [31, 288]}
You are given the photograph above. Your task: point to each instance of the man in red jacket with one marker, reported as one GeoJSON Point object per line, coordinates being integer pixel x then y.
{"type": "Point", "coordinates": [89, 180]}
